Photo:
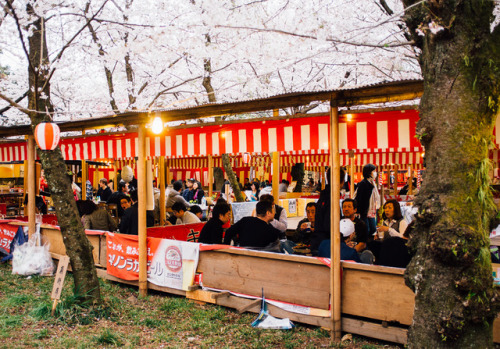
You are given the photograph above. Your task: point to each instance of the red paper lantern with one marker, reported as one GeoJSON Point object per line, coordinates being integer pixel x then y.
{"type": "Point", "coordinates": [47, 135]}
{"type": "Point", "coordinates": [246, 158]}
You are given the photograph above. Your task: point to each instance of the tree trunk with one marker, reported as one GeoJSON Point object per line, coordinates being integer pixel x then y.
{"type": "Point", "coordinates": [450, 273]}
{"type": "Point", "coordinates": [218, 178]}
{"type": "Point", "coordinates": [232, 178]}
{"type": "Point", "coordinates": [77, 245]}
{"type": "Point", "coordinates": [298, 176]}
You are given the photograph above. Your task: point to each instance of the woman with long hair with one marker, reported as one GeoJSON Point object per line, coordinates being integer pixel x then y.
{"type": "Point", "coordinates": [368, 198]}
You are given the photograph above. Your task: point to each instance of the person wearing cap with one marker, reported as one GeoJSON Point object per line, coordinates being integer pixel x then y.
{"type": "Point", "coordinates": [346, 236]}
{"type": "Point", "coordinates": [187, 193]}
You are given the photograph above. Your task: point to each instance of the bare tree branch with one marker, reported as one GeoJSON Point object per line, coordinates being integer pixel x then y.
{"type": "Point", "coordinates": [19, 99]}
{"type": "Point", "coordinates": [283, 32]}
{"type": "Point", "coordinates": [59, 55]}
{"type": "Point", "coordinates": [17, 106]}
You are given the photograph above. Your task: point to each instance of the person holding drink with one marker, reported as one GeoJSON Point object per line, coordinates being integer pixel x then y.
{"type": "Point", "coordinates": [393, 224]}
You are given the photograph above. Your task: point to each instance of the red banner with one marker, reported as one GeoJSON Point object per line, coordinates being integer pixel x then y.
{"type": "Point", "coordinates": [123, 256]}
{"type": "Point", "coordinates": [7, 233]}
{"type": "Point", "coordinates": [183, 232]}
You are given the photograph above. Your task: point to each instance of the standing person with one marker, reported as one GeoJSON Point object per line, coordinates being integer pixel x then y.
{"type": "Point", "coordinates": [322, 229]}
{"type": "Point", "coordinates": [104, 192]}
{"type": "Point", "coordinates": [368, 198]}
{"type": "Point", "coordinates": [213, 231]}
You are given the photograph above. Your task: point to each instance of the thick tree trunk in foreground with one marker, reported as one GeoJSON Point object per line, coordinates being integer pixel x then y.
{"type": "Point", "coordinates": [232, 178]}
{"type": "Point", "coordinates": [77, 245]}
{"type": "Point", "coordinates": [455, 301]}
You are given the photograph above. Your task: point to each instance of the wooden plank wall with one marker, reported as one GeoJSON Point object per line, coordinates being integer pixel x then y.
{"type": "Point", "coordinates": [375, 301]}
{"type": "Point", "coordinates": [292, 279]}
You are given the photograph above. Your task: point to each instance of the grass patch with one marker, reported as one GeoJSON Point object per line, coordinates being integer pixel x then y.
{"type": "Point", "coordinates": [108, 337]}
{"type": "Point", "coordinates": [123, 320]}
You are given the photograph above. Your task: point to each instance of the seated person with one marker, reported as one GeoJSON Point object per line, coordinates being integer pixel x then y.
{"type": "Point", "coordinates": [125, 203]}
{"type": "Point", "coordinates": [393, 225]}
{"type": "Point", "coordinates": [255, 232]}
{"type": "Point", "coordinates": [279, 221]}
{"type": "Point", "coordinates": [346, 235]}
{"type": "Point", "coordinates": [183, 216]}
{"type": "Point", "coordinates": [213, 231]}
{"type": "Point", "coordinates": [394, 252]}
{"type": "Point", "coordinates": [40, 206]}
{"type": "Point", "coordinates": [97, 218]}
{"type": "Point", "coordinates": [306, 226]}
{"type": "Point", "coordinates": [405, 190]}
{"type": "Point", "coordinates": [118, 195]}
{"type": "Point", "coordinates": [349, 208]}
{"type": "Point", "coordinates": [130, 220]}
{"type": "Point", "coordinates": [196, 210]}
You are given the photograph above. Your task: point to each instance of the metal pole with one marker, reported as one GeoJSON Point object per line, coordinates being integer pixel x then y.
{"type": "Point", "coordinates": [141, 191]}
{"type": "Point", "coordinates": [335, 286]}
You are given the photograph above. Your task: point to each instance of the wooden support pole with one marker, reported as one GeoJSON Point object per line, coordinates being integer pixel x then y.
{"type": "Point", "coordinates": [396, 173]}
{"type": "Point", "coordinates": [84, 179]}
{"type": "Point", "coordinates": [161, 178]}
{"type": "Point", "coordinates": [31, 185]}
{"type": "Point", "coordinates": [141, 191]}
{"type": "Point", "coordinates": [25, 185]}
{"type": "Point", "coordinates": [169, 173]}
{"type": "Point", "coordinates": [38, 174]}
{"type": "Point", "coordinates": [210, 175]}
{"type": "Point", "coordinates": [410, 188]}
{"type": "Point", "coordinates": [322, 177]}
{"type": "Point", "coordinates": [351, 170]}
{"type": "Point", "coordinates": [276, 176]}
{"type": "Point", "coordinates": [335, 279]}
{"type": "Point", "coordinates": [95, 178]}
{"type": "Point", "coordinates": [115, 177]}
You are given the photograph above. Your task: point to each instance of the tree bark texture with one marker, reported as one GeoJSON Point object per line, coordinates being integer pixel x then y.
{"type": "Point", "coordinates": [77, 245]}
{"type": "Point", "coordinates": [218, 178]}
{"type": "Point", "coordinates": [232, 178]}
{"type": "Point", "coordinates": [450, 273]}
{"type": "Point", "coordinates": [298, 173]}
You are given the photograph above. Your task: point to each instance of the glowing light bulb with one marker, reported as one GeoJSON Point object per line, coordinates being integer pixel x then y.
{"type": "Point", "coordinates": [157, 126]}
{"type": "Point", "coordinates": [349, 117]}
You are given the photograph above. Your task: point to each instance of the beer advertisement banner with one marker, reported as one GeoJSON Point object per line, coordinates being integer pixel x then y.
{"type": "Point", "coordinates": [174, 263]}
{"type": "Point", "coordinates": [170, 263]}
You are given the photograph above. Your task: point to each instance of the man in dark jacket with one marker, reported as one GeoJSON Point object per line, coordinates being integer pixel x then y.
{"type": "Point", "coordinates": [322, 220]}
{"type": "Point", "coordinates": [118, 195]}
{"type": "Point", "coordinates": [255, 232]}
{"type": "Point", "coordinates": [212, 232]}
{"type": "Point", "coordinates": [104, 192]}
{"type": "Point", "coordinates": [130, 219]}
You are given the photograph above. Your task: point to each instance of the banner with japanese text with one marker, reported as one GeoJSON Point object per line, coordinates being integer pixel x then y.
{"type": "Point", "coordinates": [7, 233]}
{"type": "Point", "coordinates": [171, 263]}
{"type": "Point", "coordinates": [181, 232]}
{"type": "Point", "coordinates": [123, 256]}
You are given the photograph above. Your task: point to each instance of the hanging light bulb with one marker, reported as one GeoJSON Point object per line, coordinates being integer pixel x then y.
{"type": "Point", "coordinates": [157, 125]}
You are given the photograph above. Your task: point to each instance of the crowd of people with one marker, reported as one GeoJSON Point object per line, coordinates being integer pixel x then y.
{"type": "Point", "coordinates": [365, 237]}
